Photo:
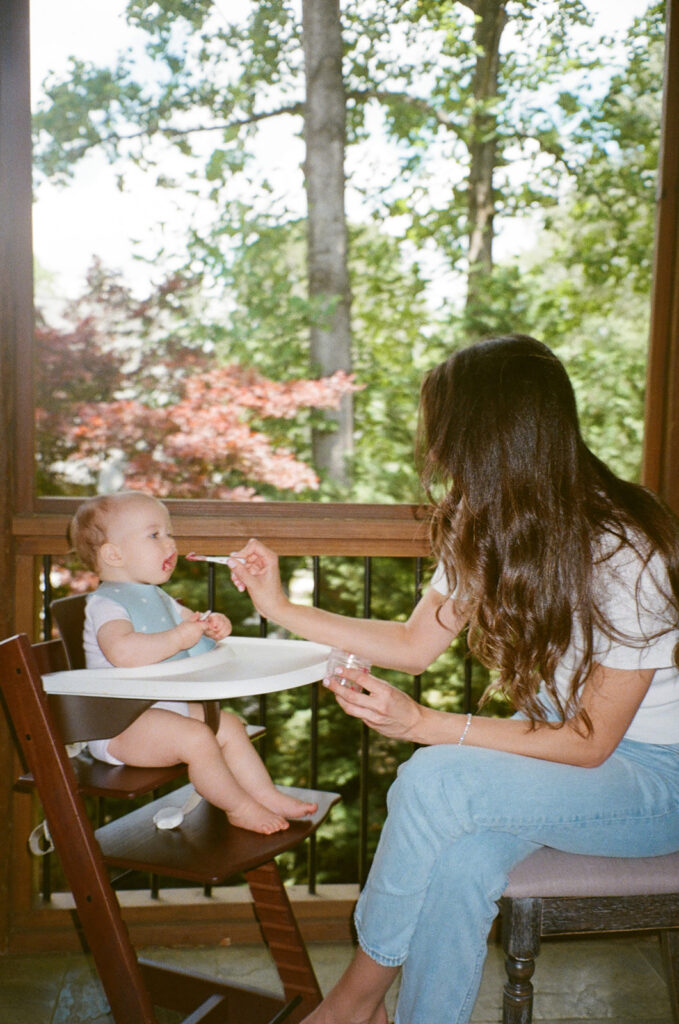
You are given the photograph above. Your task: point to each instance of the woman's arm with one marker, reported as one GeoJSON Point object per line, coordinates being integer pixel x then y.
{"type": "Point", "coordinates": [610, 697]}
{"type": "Point", "coordinates": [410, 646]}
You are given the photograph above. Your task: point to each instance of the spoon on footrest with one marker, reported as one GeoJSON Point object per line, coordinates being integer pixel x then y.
{"type": "Point", "coordinates": [172, 817]}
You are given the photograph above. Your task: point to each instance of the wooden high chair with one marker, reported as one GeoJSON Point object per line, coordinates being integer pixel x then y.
{"type": "Point", "coordinates": [206, 849]}
{"type": "Point", "coordinates": [102, 719]}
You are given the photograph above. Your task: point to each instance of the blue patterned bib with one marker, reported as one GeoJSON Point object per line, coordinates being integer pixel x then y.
{"type": "Point", "coordinates": [151, 611]}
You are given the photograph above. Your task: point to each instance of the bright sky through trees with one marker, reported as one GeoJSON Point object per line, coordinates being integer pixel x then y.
{"type": "Point", "coordinates": [93, 217]}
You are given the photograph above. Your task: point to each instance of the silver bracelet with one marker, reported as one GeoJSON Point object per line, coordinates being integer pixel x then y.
{"type": "Point", "coordinates": [465, 730]}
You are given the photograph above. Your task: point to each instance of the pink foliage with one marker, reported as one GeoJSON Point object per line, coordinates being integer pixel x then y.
{"type": "Point", "coordinates": [188, 447]}
{"type": "Point", "coordinates": [126, 380]}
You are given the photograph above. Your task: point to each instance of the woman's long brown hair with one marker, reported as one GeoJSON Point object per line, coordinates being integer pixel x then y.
{"type": "Point", "coordinates": [527, 503]}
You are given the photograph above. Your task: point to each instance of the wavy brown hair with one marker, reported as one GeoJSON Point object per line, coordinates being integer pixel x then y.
{"type": "Point", "coordinates": [527, 504]}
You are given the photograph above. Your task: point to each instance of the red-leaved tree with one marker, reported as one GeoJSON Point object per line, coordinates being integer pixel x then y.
{"type": "Point", "coordinates": [126, 395]}
{"type": "Point", "coordinates": [203, 445]}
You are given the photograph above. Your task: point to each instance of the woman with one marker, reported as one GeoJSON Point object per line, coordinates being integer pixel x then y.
{"type": "Point", "coordinates": [568, 579]}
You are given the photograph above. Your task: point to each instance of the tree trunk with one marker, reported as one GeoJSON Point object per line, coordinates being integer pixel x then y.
{"type": "Point", "coordinates": [324, 132]}
{"type": "Point", "coordinates": [491, 19]}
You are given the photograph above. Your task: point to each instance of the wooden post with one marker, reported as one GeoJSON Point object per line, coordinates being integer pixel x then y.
{"type": "Point", "coordinates": [16, 328]}
{"type": "Point", "coordinates": [661, 433]}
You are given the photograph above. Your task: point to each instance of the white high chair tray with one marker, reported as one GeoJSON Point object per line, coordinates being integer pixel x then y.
{"type": "Point", "coordinates": [237, 667]}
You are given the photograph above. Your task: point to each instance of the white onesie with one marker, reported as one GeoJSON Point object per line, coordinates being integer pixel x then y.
{"type": "Point", "coordinates": [98, 611]}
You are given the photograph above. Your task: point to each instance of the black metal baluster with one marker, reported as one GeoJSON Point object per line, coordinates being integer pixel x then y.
{"type": "Point", "coordinates": [47, 597]}
{"type": "Point", "coordinates": [211, 589]}
{"type": "Point", "coordinates": [312, 865]}
{"type": "Point", "coordinates": [46, 861]}
{"type": "Point", "coordinates": [365, 747]}
{"type": "Point", "coordinates": [211, 603]}
{"type": "Point", "coordinates": [417, 680]}
{"type": "Point", "coordinates": [263, 703]}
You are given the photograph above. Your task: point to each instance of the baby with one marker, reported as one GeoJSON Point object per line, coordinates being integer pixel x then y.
{"type": "Point", "coordinates": [127, 540]}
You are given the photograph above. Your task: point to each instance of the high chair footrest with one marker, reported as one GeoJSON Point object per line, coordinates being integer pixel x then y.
{"type": "Point", "coordinates": [205, 848]}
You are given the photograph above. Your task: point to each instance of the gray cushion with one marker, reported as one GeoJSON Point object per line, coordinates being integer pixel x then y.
{"type": "Point", "coordinates": [549, 872]}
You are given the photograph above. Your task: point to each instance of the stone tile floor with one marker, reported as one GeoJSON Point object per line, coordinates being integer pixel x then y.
{"type": "Point", "coordinates": [607, 980]}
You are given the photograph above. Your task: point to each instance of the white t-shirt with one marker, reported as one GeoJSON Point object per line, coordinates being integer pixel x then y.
{"type": "Point", "coordinates": [633, 602]}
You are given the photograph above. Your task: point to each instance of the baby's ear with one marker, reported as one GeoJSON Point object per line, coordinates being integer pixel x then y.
{"type": "Point", "coordinates": [109, 554]}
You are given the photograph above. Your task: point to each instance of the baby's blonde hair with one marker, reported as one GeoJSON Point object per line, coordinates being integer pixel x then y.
{"type": "Point", "coordinates": [88, 529]}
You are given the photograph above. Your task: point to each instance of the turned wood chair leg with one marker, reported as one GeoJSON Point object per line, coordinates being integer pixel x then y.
{"type": "Point", "coordinates": [669, 945]}
{"type": "Point", "coordinates": [281, 932]}
{"type": "Point", "coordinates": [521, 940]}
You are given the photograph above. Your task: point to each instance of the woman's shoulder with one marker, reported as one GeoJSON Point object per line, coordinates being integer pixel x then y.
{"type": "Point", "coordinates": [627, 555]}
{"type": "Point", "coordinates": [631, 575]}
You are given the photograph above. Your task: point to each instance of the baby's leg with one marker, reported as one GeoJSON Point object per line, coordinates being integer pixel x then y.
{"type": "Point", "coordinates": [159, 738]}
{"type": "Point", "coordinates": [246, 764]}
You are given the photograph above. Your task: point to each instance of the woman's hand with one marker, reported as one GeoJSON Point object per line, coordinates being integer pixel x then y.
{"type": "Point", "coordinates": [381, 706]}
{"type": "Point", "coordinates": [255, 568]}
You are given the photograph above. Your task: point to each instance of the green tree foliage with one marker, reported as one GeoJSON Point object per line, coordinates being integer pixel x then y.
{"type": "Point", "coordinates": [618, 141]}
{"type": "Point", "coordinates": [588, 287]}
{"type": "Point", "coordinates": [212, 89]}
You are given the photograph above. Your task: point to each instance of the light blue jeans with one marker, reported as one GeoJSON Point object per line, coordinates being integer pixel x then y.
{"type": "Point", "coordinates": [459, 819]}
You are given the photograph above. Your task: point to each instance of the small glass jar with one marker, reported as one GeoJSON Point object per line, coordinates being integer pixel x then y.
{"type": "Point", "coordinates": [337, 660]}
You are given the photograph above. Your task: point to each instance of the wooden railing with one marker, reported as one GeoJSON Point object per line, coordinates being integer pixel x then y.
{"type": "Point", "coordinates": [290, 528]}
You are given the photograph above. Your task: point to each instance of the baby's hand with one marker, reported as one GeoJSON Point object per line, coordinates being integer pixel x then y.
{"type": "Point", "coordinates": [190, 631]}
{"type": "Point", "coordinates": [217, 625]}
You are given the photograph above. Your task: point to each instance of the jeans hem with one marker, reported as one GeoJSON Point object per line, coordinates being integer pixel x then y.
{"type": "Point", "coordinates": [379, 958]}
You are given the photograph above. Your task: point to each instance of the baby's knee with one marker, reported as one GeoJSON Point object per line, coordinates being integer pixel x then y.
{"type": "Point", "coordinates": [193, 736]}
{"type": "Point", "coordinates": [230, 726]}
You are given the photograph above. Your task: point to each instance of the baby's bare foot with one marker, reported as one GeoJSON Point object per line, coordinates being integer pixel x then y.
{"type": "Point", "coordinates": [256, 818]}
{"type": "Point", "coordinates": [290, 806]}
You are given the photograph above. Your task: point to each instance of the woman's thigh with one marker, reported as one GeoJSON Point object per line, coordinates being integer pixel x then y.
{"type": "Point", "coordinates": [629, 806]}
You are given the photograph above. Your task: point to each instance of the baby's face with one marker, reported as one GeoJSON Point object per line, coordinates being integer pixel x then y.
{"type": "Point", "coordinates": [141, 532]}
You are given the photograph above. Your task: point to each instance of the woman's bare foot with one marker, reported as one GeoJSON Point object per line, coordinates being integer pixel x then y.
{"type": "Point", "coordinates": [255, 817]}
{"type": "Point", "coordinates": [290, 806]}
{"type": "Point", "coordinates": [325, 1014]}
{"type": "Point", "coordinates": [358, 996]}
